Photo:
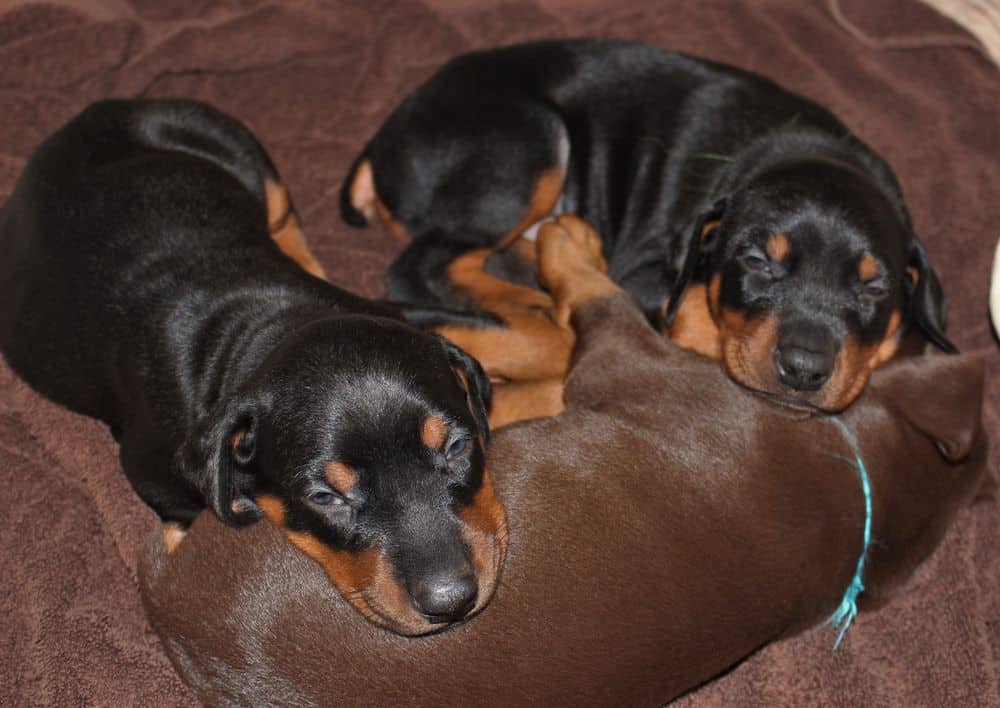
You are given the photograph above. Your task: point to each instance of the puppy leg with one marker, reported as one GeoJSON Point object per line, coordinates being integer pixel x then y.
{"type": "Point", "coordinates": [607, 322]}
{"type": "Point", "coordinates": [530, 347]}
{"type": "Point", "coordinates": [526, 353]}
{"type": "Point", "coordinates": [283, 223]}
{"type": "Point", "coordinates": [571, 266]}
{"type": "Point", "coordinates": [525, 400]}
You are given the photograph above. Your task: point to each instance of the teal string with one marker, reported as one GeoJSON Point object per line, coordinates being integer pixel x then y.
{"type": "Point", "coordinates": [848, 608]}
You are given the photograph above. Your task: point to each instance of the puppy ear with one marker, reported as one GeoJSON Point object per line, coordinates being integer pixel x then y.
{"type": "Point", "coordinates": [941, 396]}
{"type": "Point", "coordinates": [700, 241]}
{"type": "Point", "coordinates": [477, 384]}
{"type": "Point", "coordinates": [928, 308]}
{"type": "Point", "coordinates": [213, 458]}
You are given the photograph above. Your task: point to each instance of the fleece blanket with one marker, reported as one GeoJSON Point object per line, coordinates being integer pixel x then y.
{"type": "Point", "coordinates": [314, 78]}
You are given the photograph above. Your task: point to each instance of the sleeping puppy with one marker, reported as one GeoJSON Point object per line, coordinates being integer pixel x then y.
{"type": "Point", "coordinates": [747, 222]}
{"type": "Point", "coordinates": [657, 536]}
{"type": "Point", "coordinates": [140, 285]}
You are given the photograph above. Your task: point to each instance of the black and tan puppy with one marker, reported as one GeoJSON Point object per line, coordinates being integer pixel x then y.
{"type": "Point", "coordinates": [140, 285]}
{"type": "Point", "coordinates": [665, 526]}
{"type": "Point", "coordinates": [747, 221]}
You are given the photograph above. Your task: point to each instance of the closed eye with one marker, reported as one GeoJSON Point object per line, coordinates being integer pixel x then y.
{"type": "Point", "coordinates": [457, 449]}
{"type": "Point", "coordinates": [756, 260]}
{"type": "Point", "coordinates": [326, 498]}
{"type": "Point", "coordinates": [875, 289]}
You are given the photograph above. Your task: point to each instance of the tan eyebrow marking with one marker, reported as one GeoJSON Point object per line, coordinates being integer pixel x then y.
{"type": "Point", "coordinates": [433, 432]}
{"type": "Point", "coordinates": [341, 477]}
{"type": "Point", "coordinates": [777, 247]}
{"type": "Point", "coordinates": [867, 267]}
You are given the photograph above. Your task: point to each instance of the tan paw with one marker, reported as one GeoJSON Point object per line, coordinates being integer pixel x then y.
{"type": "Point", "coordinates": [570, 264]}
{"type": "Point", "coordinates": [569, 242]}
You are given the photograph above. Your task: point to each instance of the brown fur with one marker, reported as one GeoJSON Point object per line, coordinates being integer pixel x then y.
{"type": "Point", "coordinates": [528, 357]}
{"type": "Point", "coordinates": [530, 346]}
{"type": "Point", "coordinates": [663, 527]}
{"type": "Point", "coordinates": [284, 227]}
{"type": "Point", "coordinates": [366, 579]}
{"type": "Point", "coordinates": [524, 400]}
{"type": "Point", "coordinates": [694, 327]}
{"type": "Point", "coordinates": [484, 523]}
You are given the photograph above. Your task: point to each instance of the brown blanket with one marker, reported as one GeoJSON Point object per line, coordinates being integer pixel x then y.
{"type": "Point", "coordinates": [313, 79]}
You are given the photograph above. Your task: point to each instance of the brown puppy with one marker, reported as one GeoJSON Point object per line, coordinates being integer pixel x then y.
{"type": "Point", "coordinates": [662, 528]}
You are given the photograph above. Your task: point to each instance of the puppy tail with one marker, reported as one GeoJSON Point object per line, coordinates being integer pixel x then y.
{"type": "Point", "coordinates": [349, 204]}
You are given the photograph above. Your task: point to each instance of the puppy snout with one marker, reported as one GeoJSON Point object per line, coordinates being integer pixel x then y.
{"type": "Point", "coordinates": [803, 369]}
{"type": "Point", "coordinates": [445, 597]}
{"type": "Point", "coordinates": [806, 362]}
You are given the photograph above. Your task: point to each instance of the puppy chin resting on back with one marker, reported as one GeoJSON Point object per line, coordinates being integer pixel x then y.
{"type": "Point", "coordinates": [663, 527]}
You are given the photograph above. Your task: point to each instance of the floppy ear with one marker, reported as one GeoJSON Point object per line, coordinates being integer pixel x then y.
{"type": "Point", "coordinates": [928, 308]}
{"type": "Point", "coordinates": [214, 456]}
{"type": "Point", "coordinates": [941, 396]}
{"type": "Point", "coordinates": [696, 244]}
{"type": "Point", "coordinates": [477, 384]}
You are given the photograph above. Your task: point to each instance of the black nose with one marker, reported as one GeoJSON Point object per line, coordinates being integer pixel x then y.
{"type": "Point", "coordinates": [803, 369]}
{"type": "Point", "coordinates": [445, 598]}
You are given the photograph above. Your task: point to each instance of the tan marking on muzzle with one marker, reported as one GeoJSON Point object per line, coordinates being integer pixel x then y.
{"type": "Point", "coordinates": [854, 366]}
{"type": "Point", "coordinates": [484, 530]}
{"type": "Point", "coordinates": [746, 346]}
{"type": "Point", "coordinates": [694, 327]}
{"type": "Point", "coordinates": [367, 580]}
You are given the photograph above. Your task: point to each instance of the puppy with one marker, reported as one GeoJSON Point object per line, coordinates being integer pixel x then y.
{"type": "Point", "coordinates": [665, 526]}
{"type": "Point", "coordinates": [141, 286]}
{"type": "Point", "coordinates": [747, 222]}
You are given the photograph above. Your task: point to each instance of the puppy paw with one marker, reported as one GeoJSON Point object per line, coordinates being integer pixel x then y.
{"type": "Point", "coordinates": [570, 264]}
{"type": "Point", "coordinates": [568, 242]}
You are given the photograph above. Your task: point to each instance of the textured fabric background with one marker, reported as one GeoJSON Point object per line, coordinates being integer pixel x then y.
{"type": "Point", "coordinates": [313, 79]}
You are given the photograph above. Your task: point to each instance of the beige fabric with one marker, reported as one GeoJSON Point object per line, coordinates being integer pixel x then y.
{"type": "Point", "coordinates": [980, 17]}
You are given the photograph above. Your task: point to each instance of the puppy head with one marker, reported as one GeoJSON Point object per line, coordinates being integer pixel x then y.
{"type": "Point", "coordinates": [363, 440]}
{"type": "Point", "coordinates": [812, 278]}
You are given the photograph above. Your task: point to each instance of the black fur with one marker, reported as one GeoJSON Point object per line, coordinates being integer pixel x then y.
{"type": "Point", "coordinates": [658, 143]}
{"type": "Point", "coordinates": [139, 285]}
